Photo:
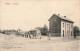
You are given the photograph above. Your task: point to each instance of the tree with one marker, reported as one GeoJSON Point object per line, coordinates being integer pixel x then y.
{"type": "Point", "coordinates": [76, 31]}
{"type": "Point", "coordinates": [44, 31]}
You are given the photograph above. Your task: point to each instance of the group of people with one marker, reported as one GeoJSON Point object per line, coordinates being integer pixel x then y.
{"type": "Point", "coordinates": [33, 34]}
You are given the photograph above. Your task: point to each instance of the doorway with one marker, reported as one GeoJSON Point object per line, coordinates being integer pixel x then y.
{"type": "Point", "coordinates": [63, 33]}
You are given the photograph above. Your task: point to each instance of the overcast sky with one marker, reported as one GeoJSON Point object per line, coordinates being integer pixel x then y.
{"type": "Point", "coordinates": [27, 15]}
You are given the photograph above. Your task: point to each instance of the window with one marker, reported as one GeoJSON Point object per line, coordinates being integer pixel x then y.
{"type": "Point", "coordinates": [67, 25]}
{"type": "Point", "coordinates": [67, 32]}
{"type": "Point", "coordinates": [71, 26]}
{"type": "Point", "coordinates": [63, 25]}
{"type": "Point", "coordinates": [71, 33]}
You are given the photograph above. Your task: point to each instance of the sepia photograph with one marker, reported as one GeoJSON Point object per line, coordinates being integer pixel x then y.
{"type": "Point", "coordinates": [39, 25]}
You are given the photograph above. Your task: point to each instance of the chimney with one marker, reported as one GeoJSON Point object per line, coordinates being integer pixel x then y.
{"type": "Point", "coordinates": [58, 14]}
{"type": "Point", "coordinates": [65, 16]}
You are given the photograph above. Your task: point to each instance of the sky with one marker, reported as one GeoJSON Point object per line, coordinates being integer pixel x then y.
{"type": "Point", "coordinates": [29, 14]}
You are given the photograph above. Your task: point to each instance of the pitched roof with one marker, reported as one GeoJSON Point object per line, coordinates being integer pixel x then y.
{"type": "Point", "coordinates": [62, 18]}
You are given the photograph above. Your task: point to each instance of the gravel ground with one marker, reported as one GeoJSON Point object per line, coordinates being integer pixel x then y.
{"type": "Point", "coordinates": [13, 43]}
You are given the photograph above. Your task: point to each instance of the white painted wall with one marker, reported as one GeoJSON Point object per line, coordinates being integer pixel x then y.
{"type": "Point", "coordinates": [67, 28]}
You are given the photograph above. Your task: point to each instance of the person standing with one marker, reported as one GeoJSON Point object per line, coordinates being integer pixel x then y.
{"type": "Point", "coordinates": [49, 36]}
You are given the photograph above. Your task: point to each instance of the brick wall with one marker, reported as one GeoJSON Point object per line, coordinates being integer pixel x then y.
{"type": "Point", "coordinates": [55, 25]}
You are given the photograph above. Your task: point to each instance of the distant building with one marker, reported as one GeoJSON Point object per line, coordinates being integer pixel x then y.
{"type": "Point", "coordinates": [60, 26]}
{"type": "Point", "coordinates": [36, 33]}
